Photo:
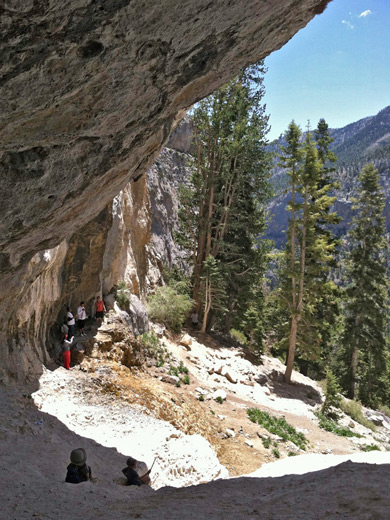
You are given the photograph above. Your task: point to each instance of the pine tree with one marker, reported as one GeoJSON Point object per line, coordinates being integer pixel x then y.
{"type": "Point", "coordinates": [308, 253]}
{"type": "Point", "coordinates": [222, 212]}
{"type": "Point", "coordinates": [364, 353]}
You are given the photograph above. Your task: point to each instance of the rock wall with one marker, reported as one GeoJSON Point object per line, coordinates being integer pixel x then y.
{"type": "Point", "coordinates": [89, 93]}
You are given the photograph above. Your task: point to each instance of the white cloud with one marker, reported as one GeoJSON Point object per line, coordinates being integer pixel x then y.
{"type": "Point", "coordinates": [348, 24]}
{"type": "Point", "coordinates": [365, 13]}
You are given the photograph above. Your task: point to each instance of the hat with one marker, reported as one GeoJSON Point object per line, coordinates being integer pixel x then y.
{"type": "Point", "coordinates": [131, 462]}
{"type": "Point", "coordinates": [66, 336]}
{"type": "Point", "coordinates": [78, 456]}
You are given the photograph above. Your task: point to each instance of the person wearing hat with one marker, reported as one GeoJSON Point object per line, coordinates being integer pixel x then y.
{"type": "Point", "coordinates": [133, 479]}
{"type": "Point", "coordinates": [66, 344]}
{"type": "Point", "coordinates": [77, 470]}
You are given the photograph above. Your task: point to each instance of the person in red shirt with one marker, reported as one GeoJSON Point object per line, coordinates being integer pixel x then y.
{"type": "Point", "coordinates": [99, 310]}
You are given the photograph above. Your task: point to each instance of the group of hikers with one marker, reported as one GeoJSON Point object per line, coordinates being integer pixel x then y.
{"type": "Point", "coordinates": [68, 326]}
{"type": "Point", "coordinates": [78, 470]}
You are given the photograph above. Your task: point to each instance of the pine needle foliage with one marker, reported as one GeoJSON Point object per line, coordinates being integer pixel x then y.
{"type": "Point", "coordinates": [364, 357]}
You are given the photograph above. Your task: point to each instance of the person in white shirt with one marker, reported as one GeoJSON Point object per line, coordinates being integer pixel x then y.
{"type": "Point", "coordinates": [71, 321]}
{"type": "Point", "coordinates": [82, 316]}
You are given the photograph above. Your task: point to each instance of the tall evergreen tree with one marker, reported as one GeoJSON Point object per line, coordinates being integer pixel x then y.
{"type": "Point", "coordinates": [308, 253]}
{"type": "Point", "coordinates": [222, 212]}
{"type": "Point", "coordinates": [364, 354]}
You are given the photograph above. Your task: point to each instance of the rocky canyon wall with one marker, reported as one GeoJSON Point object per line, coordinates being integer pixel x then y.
{"type": "Point", "coordinates": [89, 93]}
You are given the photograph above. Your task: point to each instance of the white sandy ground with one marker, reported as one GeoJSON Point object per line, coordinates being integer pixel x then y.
{"type": "Point", "coordinates": [181, 459]}
{"type": "Point", "coordinates": [35, 446]}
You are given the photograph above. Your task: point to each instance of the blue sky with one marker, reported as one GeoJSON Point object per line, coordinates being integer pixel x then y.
{"type": "Point", "coordinates": [337, 67]}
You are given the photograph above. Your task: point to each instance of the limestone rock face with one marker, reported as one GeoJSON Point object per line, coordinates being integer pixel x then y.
{"type": "Point", "coordinates": [168, 173]}
{"type": "Point", "coordinates": [89, 93]}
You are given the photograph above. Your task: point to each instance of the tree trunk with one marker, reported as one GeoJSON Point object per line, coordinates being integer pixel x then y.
{"type": "Point", "coordinates": [291, 349]}
{"type": "Point", "coordinates": [352, 381]}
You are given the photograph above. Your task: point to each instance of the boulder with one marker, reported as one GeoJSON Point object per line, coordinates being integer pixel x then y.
{"type": "Point", "coordinates": [186, 341]}
{"type": "Point", "coordinates": [173, 380]}
{"type": "Point", "coordinates": [262, 379]}
{"type": "Point", "coordinates": [139, 316]}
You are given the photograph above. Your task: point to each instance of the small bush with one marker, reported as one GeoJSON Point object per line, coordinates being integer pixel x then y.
{"type": "Point", "coordinates": [291, 454]}
{"type": "Point", "coordinates": [331, 426]}
{"type": "Point", "coordinates": [267, 443]}
{"type": "Point", "coordinates": [174, 371]}
{"type": "Point", "coordinates": [182, 369]}
{"type": "Point", "coordinates": [370, 447]}
{"type": "Point", "coordinates": [122, 299]}
{"type": "Point", "coordinates": [151, 345]}
{"type": "Point", "coordinates": [169, 307]}
{"type": "Point", "coordinates": [384, 409]}
{"type": "Point", "coordinates": [219, 399]}
{"type": "Point", "coordinates": [276, 453]}
{"type": "Point", "coordinates": [186, 379]}
{"type": "Point", "coordinates": [332, 394]}
{"type": "Point", "coordinates": [238, 336]}
{"type": "Point", "coordinates": [201, 398]}
{"type": "Point", "coordinates": [121, 286]}
{"type": "Point", "coordinates": [278, 426]}
{"type": "Point", "coordinates": [354, 410]}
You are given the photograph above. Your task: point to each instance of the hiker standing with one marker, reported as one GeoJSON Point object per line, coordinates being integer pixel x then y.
{"type": "Point", "coordinates": [99, 310]}
{"type": "Point", "coordinates": [82, 316]}
{"type": "Point", "coordinates": [71, 321]}
{"type": "Point", "coordinates": [78, 471]}
{"type": "Point", "coordinates": [194, 319]}
{"type": "Point", "coordinates": [133, 479]}
{"type": "Point", "coordinates": [66, 344]}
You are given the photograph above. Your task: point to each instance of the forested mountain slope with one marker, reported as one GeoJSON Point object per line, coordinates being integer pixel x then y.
{"type": "Point", "coordinates": [367, 140]}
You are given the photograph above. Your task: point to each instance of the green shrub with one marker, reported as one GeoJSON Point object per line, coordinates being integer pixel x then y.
{"type": "Point", "coordinates": [186, 379]}
{"type": "Point", "coordinates": [219, 399]}
{"type": "Point", "coordinates": [121, 286]}
{"type": "Point", "coordinates": [122, 299]}
{"type": "Point", "coordinates": [291, 454]}
{"type": "Point", "coordinates": [151, 345]}
{"type": "Point", "coordinates": [331, 426]}
{"type": "Point", "coordinates": [332, 394]}
{"type": "Point", "coordinates": [238, 336]}
{"type": "Point", "coordinates": [174, 371]}
{"type": "Point", "coordinates": [370, 447]}
{"type": "Point", "coordinates": [277, 426]}
{"type": "Point", "coordinates": [201, 398]}
{"type": "Point", "coordinates": [276, 453]}
{"type": "Point", "coordinates": [182, 369]}
{"type": "Point", "coordinates": [384, 409]}
{"type": "Point", "coordinates": [169, 307]}
{"type": "Point", "coordinates": [266, 443]}
{"type": "Point", "coordinates": [354, 410]}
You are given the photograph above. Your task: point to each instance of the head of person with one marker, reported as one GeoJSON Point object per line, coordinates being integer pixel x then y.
{"type": "Point", "coordinates": [98, 299]}
{"type": "Point", "coordinates": [78, 457]}
{"type": "Point", "coordinates": [131, 462]}
{"type": "Point", "coordinates": [68, 309]}
{"type": "Point", "coordinates": [81, 304]}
